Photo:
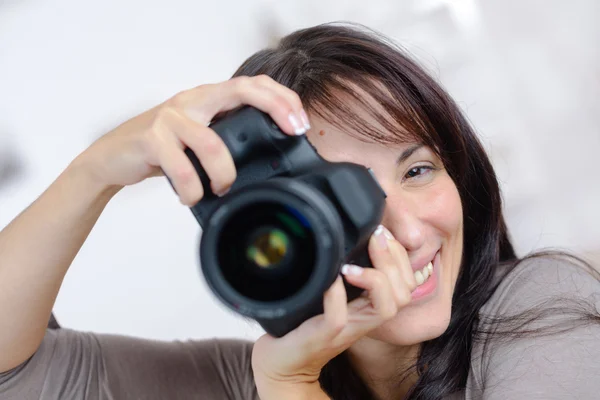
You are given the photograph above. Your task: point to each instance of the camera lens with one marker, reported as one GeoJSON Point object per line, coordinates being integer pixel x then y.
{"type": "Point", "coordinates": [266, 251]}
{"type": "Point", "coordinates": [268, 247]}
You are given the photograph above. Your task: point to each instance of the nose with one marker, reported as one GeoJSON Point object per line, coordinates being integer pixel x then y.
{"type": "Point", "coordinates": [402, 219]}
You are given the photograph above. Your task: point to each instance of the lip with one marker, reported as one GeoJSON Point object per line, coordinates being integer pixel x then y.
{"type": "Point", "coordinates": [429, 287]}
{"type": "Point", "coordinates": [422, 262]}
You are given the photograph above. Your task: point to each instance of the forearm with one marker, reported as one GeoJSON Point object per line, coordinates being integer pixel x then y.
{"type": "Point", "coordinates": [36, 250]}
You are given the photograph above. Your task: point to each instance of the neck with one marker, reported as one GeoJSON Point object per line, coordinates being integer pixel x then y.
{"type": "Point", "coordinates": [382, 366]}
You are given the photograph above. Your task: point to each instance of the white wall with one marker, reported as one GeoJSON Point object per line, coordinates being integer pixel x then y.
{"type": "Point", "coordinates": [525, 72]}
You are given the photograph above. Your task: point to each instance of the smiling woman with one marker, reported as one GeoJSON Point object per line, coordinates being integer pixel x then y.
{"type": "Point", "coordinates": [423, 213]}
{"type": "Point", "coordinates": [381, 110]}
{"type": "Point", "coordinates": [448, 310]}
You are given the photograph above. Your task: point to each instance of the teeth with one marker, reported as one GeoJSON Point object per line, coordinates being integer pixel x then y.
{"type": "Point", "coordinates": [422, 275]}
{"type": "Point", "coordinates": [419, 277]}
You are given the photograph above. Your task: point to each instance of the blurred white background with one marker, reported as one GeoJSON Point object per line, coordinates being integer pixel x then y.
{"type": "Point", "coordinates": [526, 72]}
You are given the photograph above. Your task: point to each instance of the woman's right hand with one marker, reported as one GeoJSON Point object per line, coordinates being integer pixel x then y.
{"type": "Point", "coordinates": [153, 142]}
{"type": "Point", "coordinates": [144, 146]}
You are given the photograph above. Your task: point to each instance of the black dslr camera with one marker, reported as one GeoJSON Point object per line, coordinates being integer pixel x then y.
{"type": "Point", "coordinates": [275, 243]}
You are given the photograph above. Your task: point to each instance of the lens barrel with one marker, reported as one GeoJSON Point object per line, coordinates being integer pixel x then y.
{"type": "Point", "coordinates": [272, 248]}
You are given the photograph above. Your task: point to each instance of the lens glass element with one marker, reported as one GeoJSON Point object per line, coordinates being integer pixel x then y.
{"type": "Point", "coordinates": [267, 251]}
{"type": "Point", "coordinates": [268, 248]}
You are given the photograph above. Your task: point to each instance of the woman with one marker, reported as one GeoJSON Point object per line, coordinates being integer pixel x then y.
{"type": "Point", "coordinates": [448, 311]}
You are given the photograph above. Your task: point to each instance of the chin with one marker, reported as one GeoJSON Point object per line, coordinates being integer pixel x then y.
{"type": "Point", "coordinates": [416, 323]}
{"type": "Point", "coordinates": [428, 315]}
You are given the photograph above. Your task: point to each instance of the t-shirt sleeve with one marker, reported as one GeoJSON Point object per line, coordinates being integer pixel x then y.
{"type": "Point", "coordinates": [80, 365]}
{"type": "Point", "coordinates": [562, 364]}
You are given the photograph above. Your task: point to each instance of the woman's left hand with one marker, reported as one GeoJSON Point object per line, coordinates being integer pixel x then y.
{"type": "Point", "coordinates": [290, 366]}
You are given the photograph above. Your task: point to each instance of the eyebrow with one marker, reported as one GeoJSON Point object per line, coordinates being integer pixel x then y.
{"type": "Point", "coordinates": [407, 153]}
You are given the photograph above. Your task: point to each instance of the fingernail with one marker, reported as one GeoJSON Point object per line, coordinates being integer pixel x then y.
{"type": "Point", "coordinates": [349, 269]}
{"type": "Point", "coordinates": [298, 129]}
{"type": "Point", "coordinates": [382, 235]}
{"type": "Point", "coordinates": [387, 233]}
{"type": "Point", "coordinates": [223, 192]}
{"type": "Point", "coordinates": [304, 119]}
{"type": "Point", "coordinates": [380, 238]}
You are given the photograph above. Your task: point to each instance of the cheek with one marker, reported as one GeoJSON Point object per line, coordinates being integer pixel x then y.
{"type": "Point", "coordinates": [446, 217]}
{"type": "Point", "coordinates": [443, 209]}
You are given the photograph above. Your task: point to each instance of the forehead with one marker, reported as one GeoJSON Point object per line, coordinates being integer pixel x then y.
{"type": "Point", "coordinates": [359, 131]}
{"type": "Point", "coordinates": [336, 144]}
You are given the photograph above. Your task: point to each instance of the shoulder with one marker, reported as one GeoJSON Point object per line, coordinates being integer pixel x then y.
{"type": "Point", "coordinates": [216, 367]}
{"type": "Point", "coordinates": [227, 353]}
{"type": "Point", "coordinates": [229, 361]}
{"type": "Point", "coordinates": [540, 279]}
{"type": "Point", "coordinates": [539, 333]}
{"type": "Point", "coordinates": [90, 365]}
{"type": "Point", "coordinates": [225, 346]}
{"type": "Point", "coordinates": [62, 362]}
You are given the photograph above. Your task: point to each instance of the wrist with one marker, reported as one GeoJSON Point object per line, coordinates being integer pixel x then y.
{"type": "Point", "coordinates": [81, 173]}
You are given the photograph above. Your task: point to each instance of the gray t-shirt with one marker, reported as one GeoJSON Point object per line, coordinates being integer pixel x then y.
{"type": "Point", "coordinates": [80, 365]}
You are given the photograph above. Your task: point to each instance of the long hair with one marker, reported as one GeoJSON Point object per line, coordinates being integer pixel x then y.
{"type": "Point", "coordinates": [322, 62]}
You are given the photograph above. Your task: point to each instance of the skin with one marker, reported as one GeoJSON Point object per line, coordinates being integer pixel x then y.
{"type": "Point", "coordinates": [424, 214]}
{"type": "Point", "coordinates": [423, 217]}
{"type": "Point", "coordinates": [59, 221]}
{"type": "Point", "coordinates": [383, 333]}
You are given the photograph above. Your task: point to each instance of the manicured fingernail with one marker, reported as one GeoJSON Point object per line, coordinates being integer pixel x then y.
{"type": "Point", "coordinates": [382, 235]}
{"type": "Point", "coordinates": [223, 192]}
{"type": "Point", "coordinates": [349, 269]}
{"type": "Point", "coordinates": [298, 128]}
{"type": "Point", "coordinates": [387, 233]}
{"type": "Point", "coordinates": [304, 119]}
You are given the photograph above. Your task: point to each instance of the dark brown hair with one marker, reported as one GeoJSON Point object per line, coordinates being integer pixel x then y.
{"type": "Point", "coordinates": [322, 62]}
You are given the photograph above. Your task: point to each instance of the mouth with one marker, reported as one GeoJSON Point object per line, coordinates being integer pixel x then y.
{"type": "Point", "coordinates": [423, 274]}
{"type": "Point", "coordinates": [427, 278]}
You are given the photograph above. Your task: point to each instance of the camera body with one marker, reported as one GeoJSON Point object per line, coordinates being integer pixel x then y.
{"type": "Point", "coordinates": [275, 243]}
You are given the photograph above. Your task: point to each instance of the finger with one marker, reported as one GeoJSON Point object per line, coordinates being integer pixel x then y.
{"type": "Point", "coordinates": [357, 305]}
{"type": "Point", "coordinates": [377, 284]}
{"type": "Point", "coordinates": [384, 260]}
{"type": "Point", "coordinates": [335, 309]}
{"type": "Point", "coordinates": [291, 96]}
{"type": "Point", "coordinates": [317, 332]}
{"type": "Point", "coordinates": [176, 165]}
{"type": "Point", "coordinates": [207, 145]}
{"type": "Point", "coordinates": [204, 102]}
{"type": "Point", "coordinates": [403, 263]}
{"type": "Point", "coordinates": [253, 91]}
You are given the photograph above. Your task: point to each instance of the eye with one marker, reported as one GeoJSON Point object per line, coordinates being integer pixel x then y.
{"type": "Point", "coordinates": [418, 171]}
